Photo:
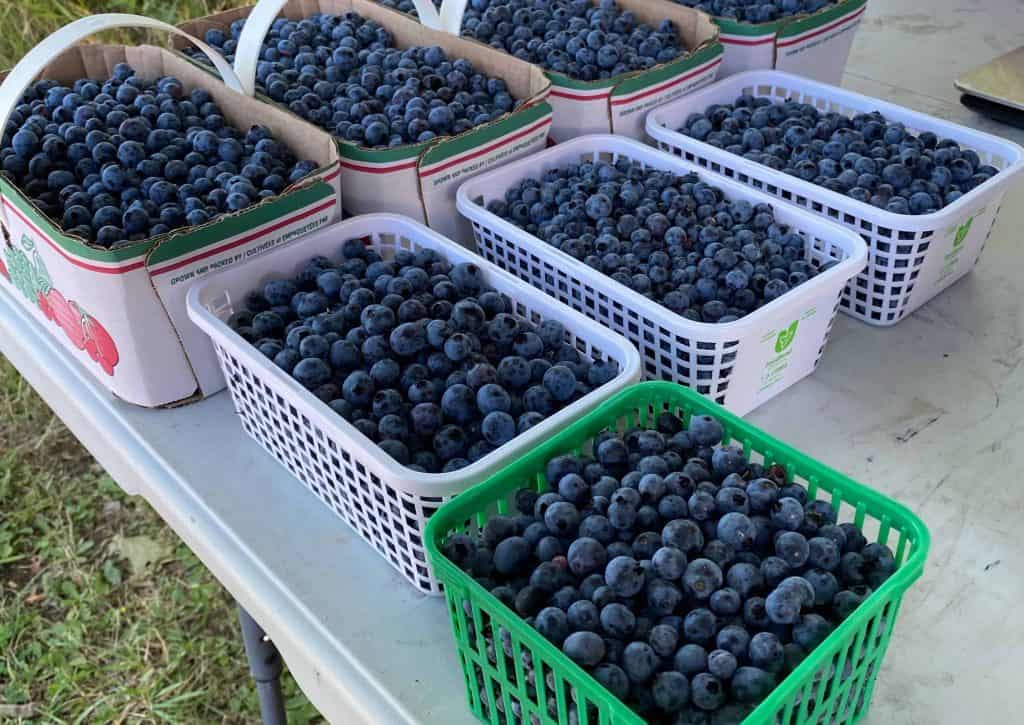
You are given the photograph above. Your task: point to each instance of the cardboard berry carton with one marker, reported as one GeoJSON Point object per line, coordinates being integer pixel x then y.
{"type": "Point", "coordinates": [814, 46]}
{"type": "Point", "coordinates": [618, 104]}
{"type": "Point", "coordinates": [121, 312]}
{"type": "Point", "coordinates": [418, 180]}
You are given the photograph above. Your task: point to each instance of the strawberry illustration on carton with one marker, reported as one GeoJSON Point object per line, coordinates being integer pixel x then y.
{"type": "Point", "coordinates": [82, 330]}
{"type": "Point", "coordinates": [122, 311]}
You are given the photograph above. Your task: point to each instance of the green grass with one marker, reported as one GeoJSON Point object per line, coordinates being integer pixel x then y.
{"type": "Point", "coordinates": [105, 616]}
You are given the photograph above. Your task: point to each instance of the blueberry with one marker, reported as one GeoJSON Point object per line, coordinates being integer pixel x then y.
{"type": "Point", "coordinates": [787, 513]}
{"type": "Point", "coordinates": [449, 442]}
{"type": "Point", "coordinates": [774, 569]}
{"type": "Point", "coordinates": [722, 664]}
{"type": "Point", "coordinates": [459, 403]}
{"type": "Point", "coordinates": [707, 691]}
{"type": "Point", "coordinates": [584, 648]}
{"type": "Point", "coordinates": [491, 398]}
{"type": "Point", "coordinates": [751, 684]}
{"type": "Point", "coordinates": [765, 651]}
{"type": "Point", "coordinates": [702, 578]}
{"type": "Point", "coordinates": [613, 678]}
{"type": "Point", "coordinates": [426, 419]}
{"type": "Point", "coordinates": [705, 430]}
{"type": "Point", "coordinates": [617, 621]}
{"type": "Point", "coordinates": [625, 576]}
{"type": "Point", "coordinates": [670, 691]}
{"type": "Point", "coordinates": [639, 661]}
{"type": "Point", "coordinates": [586, 556]}
{"type": "Point", "coordinates": [669, 563]}
{"type": "Point", "coordinates": [358, 389]}
{"type": "Point", "coordinates": [823, 553]}
{"type": "Point", "coordinates": [663, 638]}
{"type": "Point", "coordinates": [552, 623]}
{"type": "Point", "coordinates": [846, 601]}
{"type": "Point", "coordinates": [783, 605]}
{"type": "Point", "coordinates": [311, 372]}
{"type": "Point", "coordinates": [793, 548]}
{"type": "Point", "coordinates": [736, 529]}
{"type": "Point", "coordinates": [514, 373]}
{"type": "Point", "coordinates": [684, 535]}
{"type": "Point", "coordinates": [583, 615]}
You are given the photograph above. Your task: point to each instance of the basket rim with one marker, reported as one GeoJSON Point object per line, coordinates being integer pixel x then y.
{"type": "Point", "coordinates": [845, 270]}
{"type": "Point", "coordinates": [463, 508]}
{"type": "Point", "coordinates": [399, 475]}
{"type": "Point", "coordinates": [659, 131]}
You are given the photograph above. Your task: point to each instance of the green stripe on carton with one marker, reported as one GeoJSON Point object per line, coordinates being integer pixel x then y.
{"type": "Point", "coordinates": [485, 135]}
{"type": "Point", "coordinates": [235, 225]}
{"type": "Point", "coordinates": [563, 81]}
{"type": "Point", "coordinates": [72, 246]}
{"type": "Point", "coordinates": [350, 151]}
{"type": "Point", "coordinates": [824, 17]}
{"type": "Point", "coordinates": [668, 71]}
{"type": "Point", "coordinates": [729, 26]}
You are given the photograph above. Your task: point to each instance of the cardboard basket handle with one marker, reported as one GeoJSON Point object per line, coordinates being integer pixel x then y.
{"type": "Point", "coordinates": [265, 12]}
{"type": "Point", "coordinates": [29, 67]}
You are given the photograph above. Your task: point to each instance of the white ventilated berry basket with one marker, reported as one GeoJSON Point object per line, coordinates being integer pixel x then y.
{"type": "Point", "coordinates": [911, 258]}
{"type": "Point", "coordinates": [738, 364]}
{"type": "Point", "coordinates": [385, 502]}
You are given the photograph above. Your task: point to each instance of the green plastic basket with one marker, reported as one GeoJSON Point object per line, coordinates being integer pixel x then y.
{"type": "Point", "coordinates": [833, 685]}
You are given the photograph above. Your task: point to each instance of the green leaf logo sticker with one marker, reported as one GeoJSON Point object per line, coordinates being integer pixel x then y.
{"type": "Point", "coordinates": [786, 337]}
{"type": "Point", "coordinates": [962, 232]}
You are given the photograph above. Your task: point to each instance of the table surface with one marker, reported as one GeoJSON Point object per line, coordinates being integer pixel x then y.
{"type": "Point", "coordinates": [930, 412]}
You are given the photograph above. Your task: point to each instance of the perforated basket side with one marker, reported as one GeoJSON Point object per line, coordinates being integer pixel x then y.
{"type": "Point", "coordinates": [385, 502]}
{"type": "Point", "coordinates": [715, 360]}
{"type": "Point", "coordinates": [498, 650]}
{"type": "Point", "coordinates": [388, 517]}
{"type": "Point", "coordinates": [900, 275]}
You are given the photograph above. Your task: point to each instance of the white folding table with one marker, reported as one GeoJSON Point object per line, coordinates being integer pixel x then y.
{"type": "Point", "coordinates": [930, 411]}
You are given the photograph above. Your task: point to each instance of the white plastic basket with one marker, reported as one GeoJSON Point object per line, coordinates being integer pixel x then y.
{"type": "Point", "coordinates": [739, 364]}
{"type": "Point", "coordinates": [385, 502]}
{"type": "Point", "coordinates": [911, 258]}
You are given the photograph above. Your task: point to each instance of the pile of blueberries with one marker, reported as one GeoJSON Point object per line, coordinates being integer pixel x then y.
{"type": "Point", "coordinates": [757, 11]}
{"type": "Point", "coordinates": [674, 239]}
{"type": "Point", "coordinates": [123, 160]}
{"type": "Point", "coordinates": [419, 355]}
{"type": "Point", "coordinates": [686, 579]}
{"type": "Point", "coordinates": [866, 157]}
{"type": "Point", "coordinates": [345, 74]}
{"type": "Point", "coordinates": [578, 38]}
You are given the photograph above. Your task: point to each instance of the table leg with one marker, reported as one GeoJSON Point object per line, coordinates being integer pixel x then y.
{"type": "Point", "coordinates": [265, 666]}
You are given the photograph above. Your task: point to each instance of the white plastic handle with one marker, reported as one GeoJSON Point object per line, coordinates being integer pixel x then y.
{"type": "Point", "coordinates": [427, 13]}
{"type": "Point", "coordinates": [452, 12]}
{"type": "Point", "coordinates": [449, 19]}
{"type": "Point", "coordinates": [250, 42]}
{"type": "Point", "coordinates": [265, 12]}
{"type": "Point", "coordinates": [29, 67]}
